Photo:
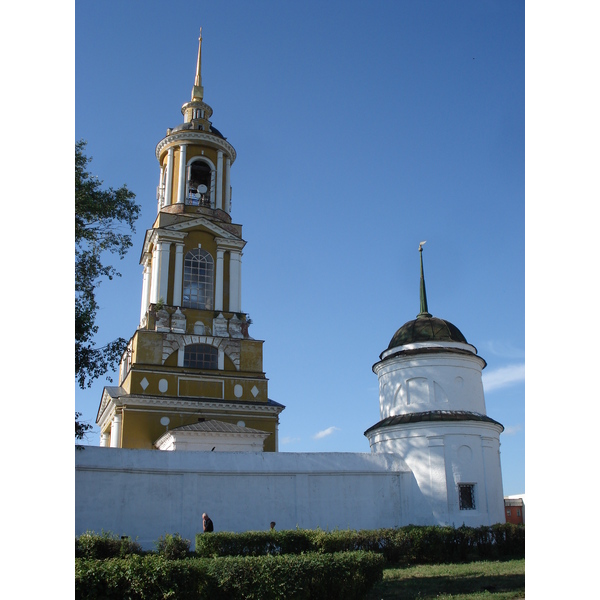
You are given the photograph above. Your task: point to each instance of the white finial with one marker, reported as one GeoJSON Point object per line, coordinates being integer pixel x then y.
{"type": "Point", "coordinates": [422, 244]}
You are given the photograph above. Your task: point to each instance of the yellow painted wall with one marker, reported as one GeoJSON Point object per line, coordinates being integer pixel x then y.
{"type": "Point", "coordinates": [251, 357]}
{"type": "Point", "coordinates": [147, 347]}
{"type": "Point", "coordinates": [141, 428]}
{"type": "Point", "coordinates": [202, 388]}
{"type": "Point", "coordinates": [247, 385]}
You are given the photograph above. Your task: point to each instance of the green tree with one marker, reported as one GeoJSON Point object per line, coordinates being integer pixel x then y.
{"type": "Point", "coordinates": [104, 221]}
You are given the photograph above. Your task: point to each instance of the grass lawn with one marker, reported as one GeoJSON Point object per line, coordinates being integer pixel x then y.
{"type": "Point", "coordinates": [494, 580]}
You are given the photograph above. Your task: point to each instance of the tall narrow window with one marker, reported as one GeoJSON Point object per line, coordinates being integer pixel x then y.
{"type": "Point", "coordinates": [466, 496]}
{"type": "Point", "coordinates": [198, 269]}
{"type": "Point", "coordinates": [200, 356]}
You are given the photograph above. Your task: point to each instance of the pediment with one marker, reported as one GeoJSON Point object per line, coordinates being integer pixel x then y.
{"type": "Point", "coordinates": [109, 393]}
{"type": "Point", "coordinates": [224, 230]}
{"type": "Point", "coordinates": [177, 231]}
{"type": "Point", "coordinates": [212, 435]}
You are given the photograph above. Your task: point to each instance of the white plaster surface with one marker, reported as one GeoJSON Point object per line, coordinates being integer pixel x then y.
{"type": "Point", "coordinates": [442, 455]}
{"type": "Point", "coordinates": [145, 493]}
{"type": "Point", "coordinates": [430, 382]}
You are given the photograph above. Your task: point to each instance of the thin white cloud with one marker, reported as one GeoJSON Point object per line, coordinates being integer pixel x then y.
{"type": "Point", "coordinates": [503, 349]}
{"type": "Point", "coordinates": [503, 377]}
{"type": "Point", "coordinates": [512, 429]}
{"type": "Point", "coordinates": [321, 434]}
{"type": "Point", "coordinates": [288, 440]}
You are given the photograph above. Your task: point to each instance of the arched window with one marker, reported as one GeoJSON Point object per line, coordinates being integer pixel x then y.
{"type": "Point", "coordinates": [200, 356]}
{"type": "Point", "coordinates": [198, 269]}
{"type": "Point", "coordinates": [199, 175]}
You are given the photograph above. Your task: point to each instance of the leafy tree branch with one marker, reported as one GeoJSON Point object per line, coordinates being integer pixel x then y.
{"type": "Point", "coordinates": [104, 221]}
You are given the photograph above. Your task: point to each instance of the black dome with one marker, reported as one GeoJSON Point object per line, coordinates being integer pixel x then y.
{"type": "Point", "coordinates": [426, 328]}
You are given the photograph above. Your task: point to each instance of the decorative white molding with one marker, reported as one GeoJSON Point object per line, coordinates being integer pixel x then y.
{"type": "Point", "coordinates": [430, 344]}
{"type": "Point", "coordinates": [230, 240]}
{"type": "Point", "coordinates": [196, 137]}
{"type": "Point", "coordinates": [174, 403]}
{"type": "Point", "coordinates": [173, 342]}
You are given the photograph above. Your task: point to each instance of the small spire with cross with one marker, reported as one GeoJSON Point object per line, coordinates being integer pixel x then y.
{"type": "Point", "coordinates": [423, 294]}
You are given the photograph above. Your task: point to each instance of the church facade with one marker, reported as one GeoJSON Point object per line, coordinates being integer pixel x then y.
{"type": "Point", "coordinates": [190, 427]}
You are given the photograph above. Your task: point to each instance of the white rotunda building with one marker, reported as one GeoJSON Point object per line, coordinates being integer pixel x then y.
{"type": "Point", "coordinates": [433, 415]}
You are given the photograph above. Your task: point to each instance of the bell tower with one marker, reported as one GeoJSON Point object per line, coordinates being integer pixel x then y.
{"type": "Point", "coordinates": [192, 376]}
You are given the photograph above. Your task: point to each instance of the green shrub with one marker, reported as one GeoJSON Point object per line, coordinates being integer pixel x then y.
{"type": "Point", "coordinates": [339, 576]}
{"type": "Point", "coordinates": [509, 539]}
{"type": "Point", "coordinates": [104, 545]}
{"type": "Point", "coordinates": [173, 546]}
{"type": "Point", "coordinates": [408, 545]}
{"type": "Point", "coordinates": [255, 543]}
{"type": "Point", "coordinates": [136, 578]}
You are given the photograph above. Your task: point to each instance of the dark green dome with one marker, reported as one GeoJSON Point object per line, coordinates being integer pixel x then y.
{"type": "Point", "coordinates": [426, 328]}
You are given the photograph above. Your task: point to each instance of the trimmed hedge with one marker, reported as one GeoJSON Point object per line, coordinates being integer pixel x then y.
{"type": "Point", "coordinates": [104, 545]}
{"type": "Point", "coordinates": [257, 543]}
{"type": "Point", "coordinates": [410, 544]}
{"type": "Point", "coordinates": [140, 577]}
{"type": "Point", "coordinates": [314, 576]}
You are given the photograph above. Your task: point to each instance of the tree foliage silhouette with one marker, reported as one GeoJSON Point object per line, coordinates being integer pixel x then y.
{"type": "Point", "coordinates": [104, 222]}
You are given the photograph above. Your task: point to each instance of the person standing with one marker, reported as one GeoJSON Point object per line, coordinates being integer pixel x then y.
{"type": "Point", "coordinates": [207, 524]}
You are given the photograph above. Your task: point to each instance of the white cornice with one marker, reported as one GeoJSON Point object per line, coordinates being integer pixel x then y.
{"type": "Point", "coordinates": [183, 436]}
{"type": "Point", "coordinates": [175, 403]}
{"type": "Point", "coordinates": [230, 244]}
{"type": "Point", "coordinates": [204, 222]}
{"type": "Point", "coordinates": [428, 345]}
{"type": "Point", "coordinates": [196, 136]}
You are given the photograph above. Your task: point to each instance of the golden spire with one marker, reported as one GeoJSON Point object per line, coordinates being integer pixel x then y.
{"type": "Point", "coordinates": [198, 90]}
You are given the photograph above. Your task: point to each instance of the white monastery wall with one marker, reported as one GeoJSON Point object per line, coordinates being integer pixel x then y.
{"type": "Point", "coordinates": [146, 494]}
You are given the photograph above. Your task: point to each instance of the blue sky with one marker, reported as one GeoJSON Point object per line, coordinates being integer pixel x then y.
{"type": "Point", "coordinates": [361, 129]}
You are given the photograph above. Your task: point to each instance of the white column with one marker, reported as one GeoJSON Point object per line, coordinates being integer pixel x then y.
{"type": "Point", "coordinates": [234, 280]}
{"type": "Point", "coordinates": [212, 188]}
{"type": "Point", "coordinates": [219, 180]}
{"type": "Point", "coordinates": [181, 181]}
{"type": "Point", "coordinates": [115, 432]}
{"type": "Point", "coordinates": [228, 184]}
{"type": "Point", "coordinates": [163, 254]}
{"type": "Point", "coordinates": [104, 440]}
{"type": "Point", "coordinates": [161, 189]}
{"type": "Point", "coordinates": [178, 275]}
{"type": "Point", "coordinates": [154, 276]}
{"type": "Point", "coordinates": [145, 290]}
{"type": "Point", "coordinates": [239, 300]}
{"type": "Point", "coordinates": [169, 181]}
{"type": "Point", "coordinates": [219, 281]}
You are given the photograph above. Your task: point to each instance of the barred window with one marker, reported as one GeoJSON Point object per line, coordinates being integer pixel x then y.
{"type": "Point", "coordinates": [200, 356]}
{"type": "Point", "coordinates": [198, 269]}
{"type": "Point", "coordinates": [466, 496]}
